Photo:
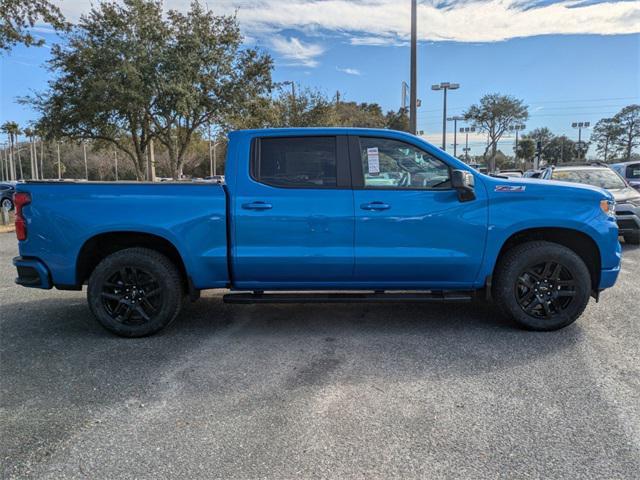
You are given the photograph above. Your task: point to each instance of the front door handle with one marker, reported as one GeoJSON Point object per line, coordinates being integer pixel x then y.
{"type": "Point", "coordinates": [257, 206]}
{"type": "Point", "coordinates": [375, 206]}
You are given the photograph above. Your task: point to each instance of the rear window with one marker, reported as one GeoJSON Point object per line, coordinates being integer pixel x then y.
{"type": "Point", "coordinates": [633, 171]}
{"type": "Point", "coordinates": [299, 162]}
{"type": "Point", "coordinates": [598, 177]}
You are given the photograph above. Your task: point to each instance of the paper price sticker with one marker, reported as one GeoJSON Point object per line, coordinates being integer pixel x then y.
{"type": "Point", "coordinates": [373, 160]}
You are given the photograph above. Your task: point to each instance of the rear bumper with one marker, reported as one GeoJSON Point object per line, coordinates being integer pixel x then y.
{"type": "Point", "coordinates": [32, 273]}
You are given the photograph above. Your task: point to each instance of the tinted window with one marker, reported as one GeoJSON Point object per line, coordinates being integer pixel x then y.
{"type": "Point", "coordinates": [304, 162]}
{"type": "Point", "coordinates": [598, 177]}
{"type": "Point", "coordinates": [393, 164]}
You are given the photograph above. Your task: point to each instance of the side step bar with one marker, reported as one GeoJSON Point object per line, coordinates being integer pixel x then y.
{"type": "Point", "coordinates": [347, 297]}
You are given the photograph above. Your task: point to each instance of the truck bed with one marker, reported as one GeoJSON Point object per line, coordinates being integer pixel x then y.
{"type": "Point", "coordinates": [63, 217]}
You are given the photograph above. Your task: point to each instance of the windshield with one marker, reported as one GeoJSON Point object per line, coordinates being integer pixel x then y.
{"type": "Point", "coordinates": [598, 177]}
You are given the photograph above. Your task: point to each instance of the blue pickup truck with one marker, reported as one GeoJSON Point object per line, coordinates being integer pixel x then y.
{"type": "Point", "coordinates": [322, 215]}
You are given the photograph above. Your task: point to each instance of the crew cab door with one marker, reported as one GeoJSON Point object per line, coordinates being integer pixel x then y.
{"type": "Point", "coordinates": [293, 214]}
{"type": "Point", "coordinates": [411, 229]}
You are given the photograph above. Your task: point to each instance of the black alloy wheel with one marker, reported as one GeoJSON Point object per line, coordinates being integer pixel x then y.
{"type": "Point", "coordinates": [545, 289]}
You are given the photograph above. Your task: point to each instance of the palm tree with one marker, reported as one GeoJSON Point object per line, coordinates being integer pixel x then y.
{"type": "Point", "coordinates": [12, 130]}
{"type": "Point", "coordinates": [33, 154]}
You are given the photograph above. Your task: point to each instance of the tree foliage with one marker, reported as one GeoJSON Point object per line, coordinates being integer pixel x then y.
{"type": "Point", "coordinates": [130, 74]}
{"type": "Point", "coordinates": [18, 16]}
{"type": "Point", "coordinates": [495, 114]}
{"type": "Point", "coordinates": [605, 134]}
{"type": "Point", "coordinates": [628, 120]}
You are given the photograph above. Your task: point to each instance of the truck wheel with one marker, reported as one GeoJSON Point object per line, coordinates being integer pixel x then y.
{"type": "Point", "coordinates": [632, 238]}
{"type": "Point", "coordinates": [542, 285]}
{"type": "Point", "coordinates": [135, 292]}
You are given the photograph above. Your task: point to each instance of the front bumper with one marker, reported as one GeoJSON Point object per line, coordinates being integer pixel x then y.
{"type": "Point", "coordinates": [628, 218]}
{"type": "Point", "coordinates": [32, 273]}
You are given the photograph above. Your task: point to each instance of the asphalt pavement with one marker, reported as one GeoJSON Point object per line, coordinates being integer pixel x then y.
{"type": "Point", "coordinates": [318, 391]}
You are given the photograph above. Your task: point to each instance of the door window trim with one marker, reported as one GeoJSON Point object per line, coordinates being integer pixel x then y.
{"type": "Point", "coordinates": [343, 172]}
{"type": "Point", "coordinates": [357, 169]}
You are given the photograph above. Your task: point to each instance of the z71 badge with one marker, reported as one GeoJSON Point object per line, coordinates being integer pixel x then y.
{"type": "Point", "coordinates": [510, 188]}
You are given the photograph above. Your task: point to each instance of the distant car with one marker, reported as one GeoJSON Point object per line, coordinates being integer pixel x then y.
{"type": "Point", "coordinates": [630, 171]}
{"type": "Point", "coordinates": [6, 195]}
{"type": "Point", "coordinates": [532, 174]}
{"type": "Point", "coordinates": [600, 175]}
{"type": "Point", "coordinates": [511, 173]}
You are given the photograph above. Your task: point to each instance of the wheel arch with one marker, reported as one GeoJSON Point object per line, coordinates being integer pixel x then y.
{"type": "Point", "coordinates": [101, 245]}
{"type": "Point", "coordinates": [579, 242]}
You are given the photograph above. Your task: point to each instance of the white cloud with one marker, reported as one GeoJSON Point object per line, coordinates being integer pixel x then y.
{"type": "Point", "coordinates": [386, 22]}
{"type": "Point", "coordinates": [297, 52]}
{"type": "Point", "coordinates": [349, 71]}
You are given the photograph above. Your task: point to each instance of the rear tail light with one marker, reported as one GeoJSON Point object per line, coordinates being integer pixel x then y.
{"type": "Point", "coordinates": [20, 200]}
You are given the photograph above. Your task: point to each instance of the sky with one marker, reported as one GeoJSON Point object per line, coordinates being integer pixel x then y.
{"type": "Point", "coordinates": [570, 61]}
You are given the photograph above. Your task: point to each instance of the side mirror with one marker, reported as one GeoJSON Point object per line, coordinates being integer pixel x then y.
{"type": "Point", "coordinates": [464, 183]}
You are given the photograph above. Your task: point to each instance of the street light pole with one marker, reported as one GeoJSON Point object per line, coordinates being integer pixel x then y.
{"type": "Point", "coordinates": [455, 119]}
{"type": "Point", "coordinates": [466, 131]}
{"type": "Point", "coordinates": [445, 86]}
{"type": "Point", "coordinates": [517, 129]}
{"type": "Point", "coordinates": [580, 126]}
{"type": "Point", "coordinates": [413, 96]}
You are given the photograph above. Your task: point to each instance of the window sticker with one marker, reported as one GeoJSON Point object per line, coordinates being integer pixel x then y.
{"type": "Point", "coordinates": [373, 160]}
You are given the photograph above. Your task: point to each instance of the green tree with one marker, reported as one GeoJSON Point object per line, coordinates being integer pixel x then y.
{"type": "Point", "coordinates": [559, 150]}
{"type": "Point", "coordinates": [605, 134]}
{"type": "Point", "coordinates": [106, 79]}
{"type": "Point", "coordinates": [495, 114]}
{"type": "Point", "coordinates": [18, 16]}
{"type": "Point", "coordinates": [397, 120]}
{"type": "Point", "coordinates": [12, 130]}
{"type": "Point", "coordinates": [129, 75]}
{"type": "Point", "coordinates": [540, 136]}
{"type": "Point", "coordinates": [526, 150]}
{"type": "Point", "coordinates": [352, 114]}
{"type": "Point", "coordinates": [628, 120]}
{"type": "Point", "coordinates": [205, 76]}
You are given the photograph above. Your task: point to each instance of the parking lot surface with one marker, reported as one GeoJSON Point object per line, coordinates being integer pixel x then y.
{"type": "Point", "coordinates": [318, 391]}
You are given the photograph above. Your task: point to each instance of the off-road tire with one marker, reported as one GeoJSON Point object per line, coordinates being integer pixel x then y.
{"type": "Point", "coordinates": [168, 288]}
{"type": "Point", "coordinates": [515, 265]}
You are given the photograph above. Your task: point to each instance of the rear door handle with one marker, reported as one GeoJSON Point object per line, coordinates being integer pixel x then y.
{"type": "Point", "coordinates": [257, 206]}
{"type": "Point", "coordinates": [375, 206]}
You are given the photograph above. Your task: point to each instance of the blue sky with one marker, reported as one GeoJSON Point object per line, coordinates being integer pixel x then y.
{"type": "Point", "coordinates": [568, 60]}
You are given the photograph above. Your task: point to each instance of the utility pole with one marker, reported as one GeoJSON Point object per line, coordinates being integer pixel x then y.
{"type": "Point", "coordinates": [210, 154]}
{"type": "Point", "coordinates": [445, 86]}
{"type": "Point", "coordinates": [115, 157]}
{"type": "Point", "coordinates": [413, 96]}
{"type": "Point", "coordinates": [294, 108]}
{"type": "Point", "coordinates": [59, 165]}
{"type": "Point", "coordinates": [455, 120]}
{"type": "Point", "coordinates": [151, 167]}
{"type": "Point", "coordinates": [86, 165]}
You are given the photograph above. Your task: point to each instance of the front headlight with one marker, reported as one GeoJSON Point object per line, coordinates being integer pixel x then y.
{"type": "Point", "coordinates": [608, 207]}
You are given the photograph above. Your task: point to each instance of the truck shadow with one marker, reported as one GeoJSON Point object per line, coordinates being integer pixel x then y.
{"type": "Point", "coordinates": [62, 365]}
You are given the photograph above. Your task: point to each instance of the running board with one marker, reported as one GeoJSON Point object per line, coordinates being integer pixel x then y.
{"type": "Point", "coordinates": [302, 297]}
